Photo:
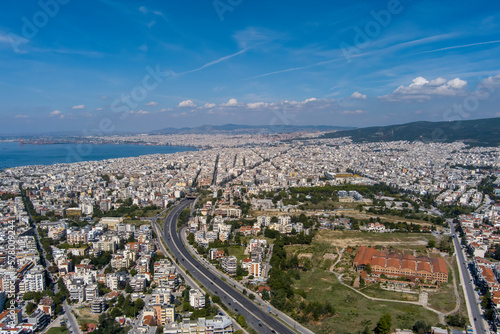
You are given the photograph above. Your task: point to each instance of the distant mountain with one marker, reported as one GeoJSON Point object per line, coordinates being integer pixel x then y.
{"type": "Point", "coordinates": [248, 129]}
{"type": "Point", "coordinates": [478, 132]}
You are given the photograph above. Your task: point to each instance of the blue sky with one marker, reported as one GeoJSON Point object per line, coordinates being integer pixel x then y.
{"type": "Point", "coordinates": [137, 65]}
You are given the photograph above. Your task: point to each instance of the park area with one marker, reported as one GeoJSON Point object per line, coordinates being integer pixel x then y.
{"type": "Point", "coordinates": [353, 311]}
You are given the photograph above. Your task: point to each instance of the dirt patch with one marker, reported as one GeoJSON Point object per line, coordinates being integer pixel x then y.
{"type": "Point", "coordinates": [305, 255]}
{"type": "Point", "coordinates": [329, 256]}
{"type": "Point", "coordinates": [354, 238]}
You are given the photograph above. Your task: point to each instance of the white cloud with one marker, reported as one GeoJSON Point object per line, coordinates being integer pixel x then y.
{"type": "Point", "coordinates": [165, 109]}
{"type": "Point", "coordinates": [492, 81]}
{"type": "Point", "coordinates": [55, 112]}
{"type": "Point", "coordinates": [252, 36]}
{"type": "Point", "coordinates": [4, 39]}
{"type": "Point", "coordinates": [257, 105]}
{"type": "Point", "coordinates": [358, 96]}
{"type": "Point", "coordinates": [457, 83]}
{"type": "Point", "coordinates": [437, 82]}
{"type": "Point", "coordinates": [80, 106]}
{"type": "Point", "coordinates": [312, 99]}
{"type": "Point", "coordinates": [21, 116]}
{"type": "Point", "coordinates": [423, 89]}
{"type": "Point", "coordinates": [104, 97]}
{"type": "Point", "coordinates": [187, 103]}
{"type": "Point", "coordinates": [352, 112]}
{"type": "Point", "coordinates": [98, 109]}
{"type": "Point", "coordinates": [143, 112]}
{"type": "Point", "coordinates": [144, 10]}
{"type": "Point", "coordinates": [209, 105]}
{"type": "Point", "coordinates": [152, 104]}
{"type": "Point", "coordinates": [230, 103]}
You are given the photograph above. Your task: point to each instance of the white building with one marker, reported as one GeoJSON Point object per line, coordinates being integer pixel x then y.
{"type": "Point", "coordinates": [196, 298]}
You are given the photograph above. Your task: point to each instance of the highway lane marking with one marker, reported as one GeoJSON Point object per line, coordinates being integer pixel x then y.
{"type": "Point", "coordinates": [215, 284]}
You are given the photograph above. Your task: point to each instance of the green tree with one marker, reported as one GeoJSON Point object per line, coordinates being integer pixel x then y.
{"type": "Point", "coordinates": [186, 307]}
{"type": "Point", "coordinates": [421, 327]}
{"type": "Point", "coordinates": [128, 289]}
{"type": "Point", "coordinates": [237, 238]}
{"type": "Point", "coordinates": [241, 320]}
{"type": "Point", "coordinates": [139, 304]}
{"type": "Point", "coordinates": [30, 307]}
{"type": "Point", "coordinates": [265, 294]}
{"type": "Point", "coordinates": [120, 300]}
{"type": "Point", "coordinates": [384, 324]}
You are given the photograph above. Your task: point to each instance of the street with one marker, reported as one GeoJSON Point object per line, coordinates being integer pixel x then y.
{"type": "Point", "coordinates": [255, 316]}
{"type": "Point", "coordinates": [476, 317]}
{"type": "Point", "coordinates": [72, 324]}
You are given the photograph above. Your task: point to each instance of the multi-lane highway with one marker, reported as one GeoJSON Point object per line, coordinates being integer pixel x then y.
{"type": "Point", "coordinates": [476, 317]}
{"type": "Point", "coordinates": [256, 317]}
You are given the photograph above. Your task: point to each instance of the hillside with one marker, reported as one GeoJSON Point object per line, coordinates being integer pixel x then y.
{"type": "Point", "coordinates": [248, 129]}
{"type": "Point", "coordinates": [479, 132]}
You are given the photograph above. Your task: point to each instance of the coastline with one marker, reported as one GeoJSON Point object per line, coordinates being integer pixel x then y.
{"type": "Point", "coordinates": [14, 154]}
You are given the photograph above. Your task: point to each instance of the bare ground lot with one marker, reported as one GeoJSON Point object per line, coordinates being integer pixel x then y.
{"type": "Point", "coordinates": [344, 239]}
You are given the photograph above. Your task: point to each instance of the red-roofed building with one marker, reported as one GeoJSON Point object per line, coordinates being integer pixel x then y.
{"type": "Point", "coordinates": [397, 265]}
{"type": "Point", "coordinates": [47, 305]}
{"type": "Point", "coordinates": [91, 328]}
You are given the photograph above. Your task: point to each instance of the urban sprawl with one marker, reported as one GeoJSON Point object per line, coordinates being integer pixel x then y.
{"type": "Point", "coordinates": [79, 247]}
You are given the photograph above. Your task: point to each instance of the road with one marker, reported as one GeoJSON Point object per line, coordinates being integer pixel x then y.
{"type": "Point", "coordinates": [476, 316]}
{"type": "Point", "coordinates": [236, 284]}
{"type": "Point", "coordinates": [255, 316]}
{"type": "Point", "coordinates": [72, 324]}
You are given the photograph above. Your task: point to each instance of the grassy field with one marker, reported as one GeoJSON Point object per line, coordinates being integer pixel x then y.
{"type": "Point", "coordinates": [373, 290]}
{"type": "Point", "coordinates": [463, 307]}
{"type": "Point", "coordinates": [388, 218]}
{"type": "Point", "coordinates": [444, 299]}
{"type": "Point", "coordinates": [58, 330]}
{"type": "Point", "coordinates": [238, 251]}
{"type": "Point", "coordinates": [354, 312]}
{"type": "Point", "coordinates": [84, 316]}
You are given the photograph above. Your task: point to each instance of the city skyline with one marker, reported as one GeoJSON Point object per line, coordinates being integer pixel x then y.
{"type": "Point", "coordinates": [147, 65]}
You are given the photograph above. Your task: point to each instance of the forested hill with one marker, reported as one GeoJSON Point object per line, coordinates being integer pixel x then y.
{"type": "Point", "coordinates": [478, 132]}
